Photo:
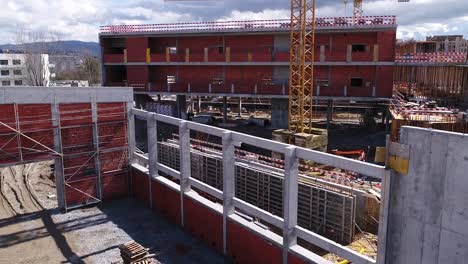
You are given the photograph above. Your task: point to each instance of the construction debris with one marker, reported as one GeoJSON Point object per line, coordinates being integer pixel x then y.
{"type": "Point", "coordinates": [134, 253]}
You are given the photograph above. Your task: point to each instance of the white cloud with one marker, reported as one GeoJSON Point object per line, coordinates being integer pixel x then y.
{"type": "Point", "coordinates": [80, 19]}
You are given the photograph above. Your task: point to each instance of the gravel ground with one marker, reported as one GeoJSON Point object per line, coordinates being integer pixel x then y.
{"type": "Point", "coordinates": [92, 235]}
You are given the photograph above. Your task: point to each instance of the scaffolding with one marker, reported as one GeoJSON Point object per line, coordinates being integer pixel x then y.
{"type": "Point", "coordinates": [77, 136]}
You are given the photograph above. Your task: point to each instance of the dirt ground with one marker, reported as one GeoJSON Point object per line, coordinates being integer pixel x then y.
{"type": "Point", "coordinates": [26, 189]}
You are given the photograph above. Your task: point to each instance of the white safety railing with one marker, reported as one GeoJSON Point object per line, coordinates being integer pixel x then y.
{"type": "Point", "coordinates": [288, 223]}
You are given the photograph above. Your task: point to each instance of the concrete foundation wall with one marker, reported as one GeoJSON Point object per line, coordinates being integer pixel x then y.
{"type": "Point", "coordinates": [428, 214]}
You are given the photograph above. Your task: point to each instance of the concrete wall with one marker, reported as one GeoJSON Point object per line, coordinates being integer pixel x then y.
{"type": "Point", "coordinates": [428, 214]}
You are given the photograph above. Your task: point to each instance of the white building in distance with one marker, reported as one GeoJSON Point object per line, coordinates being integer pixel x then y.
{"type": "Point", "coordinates": [24, 69]}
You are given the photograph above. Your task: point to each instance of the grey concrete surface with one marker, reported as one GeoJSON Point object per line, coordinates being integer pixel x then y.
{"type": "Point", "coordinates": [92, 235]}
{"type": "Point", "coordinates": [428, 214]}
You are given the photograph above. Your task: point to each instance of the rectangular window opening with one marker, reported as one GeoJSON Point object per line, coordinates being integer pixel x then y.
{"type": "Point", "coordinates": [172, 50]}
{"type": "Point", "coordinates": [3, 62]}
{"type": "Point", "coordinates": [17, 72]}
{"type": "Point", "coordinates": [5, 72]}
{"type": "Point", "coordinates": [171, 79]}
{"type": "Point", "coordinates": [267, 81]}
{"type": "Point", "coordinates": [217, 80]}
{"type": "Point", "coordinates": [357, 82]}
{"type": "Point", "coordinates": [18, 82]}
{"type": "Point", "coordinates": [322, 82]}
{"type": "Point", "coordinates": [358, 48]}
{"type": "Point", "coordinates": [16, 62]}
{"type": "Point", "coordinates": [6, 83]}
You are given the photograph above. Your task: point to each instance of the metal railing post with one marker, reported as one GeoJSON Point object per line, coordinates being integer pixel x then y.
{"type": "Point", "coordinates": [151, 127]}
{"type": "Point", "coordinates": [185, 170]}
{"type": "Point", "coordinates": [228, 182]}
{"type": "Point", "coordinates": [290, 199]}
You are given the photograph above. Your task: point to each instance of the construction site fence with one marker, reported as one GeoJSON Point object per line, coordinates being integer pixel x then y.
{"type": "Point", "coordinates": [288, 223]}
{"type": "Point", "coordinates": [247, 25]}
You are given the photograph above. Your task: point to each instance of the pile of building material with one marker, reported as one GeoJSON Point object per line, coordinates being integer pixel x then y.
{"type": "Point", "coordinates": [316, 138]}
{"type": "Point", "coordinates": [425, 114]}
{"type": "Point", "coordinates": [134, 253]}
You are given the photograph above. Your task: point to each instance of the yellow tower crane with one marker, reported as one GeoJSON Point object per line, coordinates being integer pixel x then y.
{"type": "Point", "coordinates": [301, 65]}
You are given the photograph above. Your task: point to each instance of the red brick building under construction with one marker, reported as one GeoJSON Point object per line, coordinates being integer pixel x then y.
{"type": "Point", "coordinates": [354, 59]}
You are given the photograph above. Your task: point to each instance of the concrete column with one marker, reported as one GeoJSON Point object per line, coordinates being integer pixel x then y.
{"type": "Point", "coordinates": [329, 112]}
{"type": "Point", "coordinates": [349, 52]}
{"type": "Point", "coordinates": [240, 107]}
{"type": "Point", "coordinates": [97, 160]}
{"type": "Point", "coordinates": [152, 133]}
{"type": "Point", "coordinates": [228, 182]}
{"type": "Point", "coordinates": [225, 107]}
{"type": "Point", "coordinates": [58, 171]}
{"type": "Point", "coordinates": [322, 53]}
{"type": "Point", "coordinates": [387, 120]}
{"type": "Point", "coordinates": [192, 104]}
{"type": "Point", "coordinates": [185, 166]}
{"type": "Point", "coordinates": [290, 199]}
{"type": "Point", "coordinates": [181, 101]}
{"type": "Point", "coordinates": [279, 113]}
{"type": "Point", "coordinates": [199, 104]}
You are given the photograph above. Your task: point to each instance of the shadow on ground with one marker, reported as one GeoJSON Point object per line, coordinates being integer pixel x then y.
{"type": "Point", "coordinates": [92, 235]}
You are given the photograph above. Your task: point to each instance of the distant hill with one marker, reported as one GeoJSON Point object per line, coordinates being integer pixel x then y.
{"type": "Point", "coordinates": [68, 47]}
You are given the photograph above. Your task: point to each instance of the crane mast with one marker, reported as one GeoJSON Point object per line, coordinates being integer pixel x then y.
{"type": "Point", "coordinates": [301, 65]}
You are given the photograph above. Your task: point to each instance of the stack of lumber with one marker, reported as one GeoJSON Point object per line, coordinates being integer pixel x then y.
{"type": "Point", "coordinates": [134, 253]}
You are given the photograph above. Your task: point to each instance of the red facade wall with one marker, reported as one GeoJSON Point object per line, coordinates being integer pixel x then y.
{"type": "Point", "coordinates": [386, 41]}
{"type": "Point", "coordinates": [137, 75]}
{"type": "Point", "coordinates": [255, 48]}
{"type": "Point", "coordinates": [136, 49]}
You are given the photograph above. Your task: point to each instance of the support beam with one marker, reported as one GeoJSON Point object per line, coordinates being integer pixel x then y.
{"type": "Point", "coordinates": [181, 101]}
{"type": "Point", "coordinates": [329, 112]}
{"type": "Point", "coordinates": [228, 182]}
{"type": "Point", "coordinates": [152, 133]}
{"type": "Point", "coordinates": [225, 107]}
{"type": "Point", "coordinates": [290, 199]}
{"type": "Point", "coordinates": [185, 167]}
{"type": "Point", "coordinates": [97, 160]}
{"type": "Point", "coordinates": [59, 173]}
{"type": "Point", "coordinates": [240, 107]}
{"type": "Point", "coordinates": [199, 104]}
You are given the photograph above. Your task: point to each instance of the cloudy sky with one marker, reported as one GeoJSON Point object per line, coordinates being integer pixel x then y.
{"type": "Point", "coordinates": [80, 19]}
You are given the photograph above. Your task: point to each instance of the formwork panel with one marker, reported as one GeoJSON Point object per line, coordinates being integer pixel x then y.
{"type": "Point", "coordinates": [204, 223]}
{"type": "Point", "coordinates": [115, 185]}
{"type": "Point", "coordinates": [166, 201]}
{"type": "Point", "coordinates": [246, 247]}
{"type": "Point", "coordinates": [140, 186]}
